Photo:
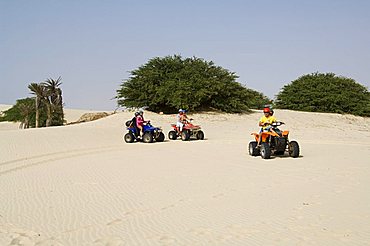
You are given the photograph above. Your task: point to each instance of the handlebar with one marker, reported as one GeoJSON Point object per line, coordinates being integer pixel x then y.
{"type": "Point", "coordinates": [278, 123]}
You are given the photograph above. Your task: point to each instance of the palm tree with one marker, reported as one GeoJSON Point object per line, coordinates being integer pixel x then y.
{"type": "Point", "coordinates": [39, 91]}
{"type": "Point", "coordinates": [55, 101]}
{"type": "Point", "coordinates": [25, 109]}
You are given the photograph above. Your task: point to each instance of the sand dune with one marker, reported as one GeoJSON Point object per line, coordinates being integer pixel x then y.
{"type": "Point", "coordinates": [82, 185]}
{"type": "Point", "coordinates": [70, 115]}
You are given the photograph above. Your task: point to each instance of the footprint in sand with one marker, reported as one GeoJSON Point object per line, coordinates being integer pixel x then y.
{"type": "Point", "coordinates": [218, 195]}
{"type": "Point", "coordinates": [110, 241]}
{"type": "Point", "coordinates": [169, 206]}
{"type": "Point", "coordinates": [21, 237]}
{"type": "Point", "coordinates": [48, 242]}
{"type": "Point", "coordinates": [201, 231]}
{"type": "Point", "coordinates": [162, 239]}
{"type": "Point", "coordinates": [167, 240]}
{"type": "Point", "coordinates": [114, 222]}
{"type": "Point", "coordinates": [239, 231]}
{"type": "Point", "coordinates": [174, 204]}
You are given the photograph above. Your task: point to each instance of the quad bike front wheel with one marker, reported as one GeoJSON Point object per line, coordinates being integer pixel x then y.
{"type": "Point", "coordinates": [129, 138]}
{"type": "Point", "coordinates": [185, 136]}
{"type": "Point", "coordinates": [293, 149]}
{"type": "Point", "coordinates": [265, 151]}
{"type": "Point", "coordinates": [160, 137]}
{"type": "Point", "coordinates": [172, 135]}
{"type": "Point", "coordinates": [253, 150]}
{"type": "Point", "coordinates": [148, 137]}
{"type": "Point", "coordinates": [200, 135]}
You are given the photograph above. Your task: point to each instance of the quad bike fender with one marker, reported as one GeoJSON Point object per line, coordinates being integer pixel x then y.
{"type": "Point", "coordinates": [256, 136]}
{"type": "Point", "coordinates": [265, 135]}
{"type": "Point", "coordinates": [285, 133]}
{"type": "Point", "coordinates": [191, 127]}
{"type": "Point", "coordinates": [274, 134]}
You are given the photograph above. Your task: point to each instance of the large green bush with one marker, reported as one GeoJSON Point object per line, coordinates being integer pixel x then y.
{"type": "Point", "coordinates": [320, 92]}
{"type": "Point", "coordinates": [169, 83]}
{"type": "Point", "coordinates": [24, 111]}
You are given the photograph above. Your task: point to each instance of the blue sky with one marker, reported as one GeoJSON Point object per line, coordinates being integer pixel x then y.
{"type": "Point", "coordinates": [93, 45]}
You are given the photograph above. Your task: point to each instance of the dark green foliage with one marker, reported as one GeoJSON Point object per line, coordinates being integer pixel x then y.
{"type": "Point", "coordinates": [169, 83]}
{"type": "Point", "coordinates": [45, 109]}
{"type": "Point", "coordinates": [55, 100]}
{"type": "Point", "coordinates": [319, 92]}
{"type": "Point", "coordinates": [24, 111]}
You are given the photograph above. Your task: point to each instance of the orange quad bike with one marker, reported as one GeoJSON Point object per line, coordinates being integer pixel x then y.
{"type": "Point", "coordinates": [273, 142]}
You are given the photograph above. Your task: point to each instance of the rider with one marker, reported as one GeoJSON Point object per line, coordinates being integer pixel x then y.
{"type": "Point", "coordinates": [134, 123]}
{"type": "Point", "coordinates": [265, 122]}
{"type": "Point", "coordinates": [140, 122]}
{"type": "Point", "coordinates": [181, 119]}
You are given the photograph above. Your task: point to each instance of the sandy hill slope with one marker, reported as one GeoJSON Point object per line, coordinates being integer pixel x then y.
{"type": "Point", "coordinates": [7, 125]}
{"type": "Point", "coordinates": [83, 185]}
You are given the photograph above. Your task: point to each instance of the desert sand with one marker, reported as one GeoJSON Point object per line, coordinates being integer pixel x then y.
{"type": "Point", "coordinates": [83, 185]}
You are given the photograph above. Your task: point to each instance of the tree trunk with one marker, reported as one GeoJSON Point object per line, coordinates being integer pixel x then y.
{"type": "Point", "coordinates": [48, 120]}
{"type": "Point", "coordinates": [37, 112]}
{"type": "Point", "coordinates": [26, 124]}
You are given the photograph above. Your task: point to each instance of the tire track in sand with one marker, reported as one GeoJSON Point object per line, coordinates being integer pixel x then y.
{"type": "Point", "coordinates": [25, 162]}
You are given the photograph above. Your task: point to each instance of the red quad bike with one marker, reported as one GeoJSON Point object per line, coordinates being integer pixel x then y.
{"type": "Point", "coordinates": [275, 142]}
{"type": "Point", "coordinates": [188, 131]}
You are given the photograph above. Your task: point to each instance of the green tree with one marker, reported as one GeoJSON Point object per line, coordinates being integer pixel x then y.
{"type": "Point", "coordinates": [39, 91]}
{"type": "Point", "coordinates": [24, 111]}
{"type": "Point", "coordinates": [54, 100]}
{"type": "Point", "coordinates": [168, 83]}
{"type": "Point", "coordinates": [319, 92]}
{"type": "Point", "coordinates": [49, 95]}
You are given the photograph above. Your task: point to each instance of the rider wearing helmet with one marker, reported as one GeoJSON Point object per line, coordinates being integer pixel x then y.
{"type": "Point", "coordinates": [140, 121]}
{"type": "Point", "coordinates": [181, 119]}
{"type": "Point", "coordinates": [266, 121]}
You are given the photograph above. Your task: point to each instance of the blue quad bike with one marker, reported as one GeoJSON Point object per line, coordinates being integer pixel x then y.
{"type": "Point", "coordinates": [151, 134]}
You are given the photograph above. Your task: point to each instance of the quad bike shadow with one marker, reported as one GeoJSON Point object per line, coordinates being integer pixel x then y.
{"type": "Point", "coordinates": [274, 142]}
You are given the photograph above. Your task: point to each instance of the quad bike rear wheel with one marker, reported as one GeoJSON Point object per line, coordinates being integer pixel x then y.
{"type": "Point", "coordinates": [148, 137]}
{"type": "Point", "coordinates": [172, 135]}
{"type": "Point", "coordinates": [129, 138]}
{"type": "Point", "coordinates": [200, 135]}
{"type": "Point", "coordinates": [265, 151]}
{"type": "Point", "coordinates": [160, 138]}
{"type": "Point", "coordinates": [293, 149]}
{"type": "Point", "coordinates": [185, 136]}
{"type": "Point", "coordinates": [253, 150]}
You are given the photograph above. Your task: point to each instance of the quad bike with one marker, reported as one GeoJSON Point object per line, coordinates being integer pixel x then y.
{"type": "Point", "coordinates": [188, 131]}
{"type": "Point", "coordinates": [151, 133]}
{"type": "Point", "coordinates": [273, 142]}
